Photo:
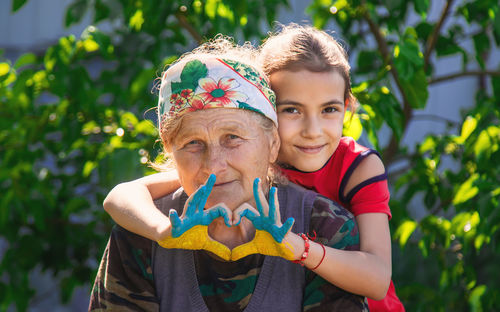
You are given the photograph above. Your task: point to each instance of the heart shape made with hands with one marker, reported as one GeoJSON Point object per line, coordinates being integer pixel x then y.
{"type": "Point", "coordinates": [190, 231]}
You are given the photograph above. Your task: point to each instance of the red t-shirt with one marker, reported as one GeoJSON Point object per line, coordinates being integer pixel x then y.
{"type": "Point", "coordinates": [371, 195]}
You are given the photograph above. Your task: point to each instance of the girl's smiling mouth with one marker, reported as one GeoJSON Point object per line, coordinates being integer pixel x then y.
{"type": "Point", "coordinates": [313, 149]}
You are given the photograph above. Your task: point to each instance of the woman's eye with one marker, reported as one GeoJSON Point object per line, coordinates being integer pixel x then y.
{"type": "Point", "coordinates": [192, 145]}
{"type": "Point", "coordinates": [232, 140]}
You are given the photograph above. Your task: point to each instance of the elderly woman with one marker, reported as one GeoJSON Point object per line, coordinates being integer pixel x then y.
{"type": "Point", "coordinates": [228, 249]}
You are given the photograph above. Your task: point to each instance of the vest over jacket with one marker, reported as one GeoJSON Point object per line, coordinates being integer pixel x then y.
{"type": "Point", "coordinates": [280, 285]}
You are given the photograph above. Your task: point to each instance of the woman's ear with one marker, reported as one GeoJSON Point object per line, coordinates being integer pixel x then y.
{"type": "Point", "coordinates": [274, 146]}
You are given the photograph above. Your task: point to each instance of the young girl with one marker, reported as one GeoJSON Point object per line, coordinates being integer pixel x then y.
{"type": "Point", "coordinates": [309, 73]}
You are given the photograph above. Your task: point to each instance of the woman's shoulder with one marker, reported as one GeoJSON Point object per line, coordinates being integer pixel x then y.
{"type": "Point", "coordinates": [335, 226]}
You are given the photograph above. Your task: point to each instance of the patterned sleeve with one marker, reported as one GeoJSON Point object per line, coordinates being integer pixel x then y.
{"type": "Point", "coordinates": [335, 227]}
{"type": "Point", "coordinates": [124, 281]}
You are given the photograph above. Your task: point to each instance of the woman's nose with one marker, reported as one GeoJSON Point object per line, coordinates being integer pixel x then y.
{"type": "Point", "coordinates": [215, 160]}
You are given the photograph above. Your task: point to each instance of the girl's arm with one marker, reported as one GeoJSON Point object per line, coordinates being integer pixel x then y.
{"type": "Point", "coordinates": [130, 204]}
{"type": "Point", "coordinates": [366, 272]}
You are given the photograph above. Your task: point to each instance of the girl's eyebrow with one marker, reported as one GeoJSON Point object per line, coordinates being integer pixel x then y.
{"type": "Point", "coordinates": [290, 102]}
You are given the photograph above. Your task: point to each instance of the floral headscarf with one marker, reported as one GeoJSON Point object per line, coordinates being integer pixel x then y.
{"type": "Point", "coordinates": [211, 83]}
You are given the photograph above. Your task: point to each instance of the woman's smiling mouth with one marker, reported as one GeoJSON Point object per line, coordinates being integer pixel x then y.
{"type": "Point", "coordinates": [222, 183]}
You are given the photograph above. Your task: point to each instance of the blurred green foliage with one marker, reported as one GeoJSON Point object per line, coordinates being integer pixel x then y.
{"type": "Point", "coordinates": [74, 122]}
{"type": "Point", "coordinates": [448, 259]}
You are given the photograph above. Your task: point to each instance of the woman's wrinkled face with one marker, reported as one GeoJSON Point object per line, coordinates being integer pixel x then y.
{"type": "Point", "coordinates": [229, 143]}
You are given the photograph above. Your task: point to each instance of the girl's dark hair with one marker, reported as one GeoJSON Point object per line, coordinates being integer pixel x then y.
{"type": "Point", "coordinates": [295, 47]}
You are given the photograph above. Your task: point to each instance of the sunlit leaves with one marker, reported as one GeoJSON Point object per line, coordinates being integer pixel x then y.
{"type": "Point", "coordinates": [352, 125]}
{"type": "Point", "coordinates": [4, 69]}
{"type": "Point", "coordinates": [24, 60]}
{"type": "Point", "coordinates": [136, 20]}
{"type": "Point", "coordinates": [475, 298]}
{"type": "Point", "coordinates": [487, 142]}
{"type": "Point", "coordinates": [404, 231]}
{"type": "Point", "coordinates": [7, 75]}
{"type": "Point", "coordinates": [468, 127]}
{"type": "Point", "coordinates": [466, 191]}
{"type": "Point", "coordinates": [450, 178]}
{"type": "Point", "coordinates": [408, 60]}
{"type": "Point", "coordinates": [215, 8]}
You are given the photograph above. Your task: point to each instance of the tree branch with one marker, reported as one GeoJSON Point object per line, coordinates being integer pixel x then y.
{"type": "Point", "coordinates": [183, 22]}
{"type": "Point", "coordinates": [431, 41]}
{"type": "Point", "coordinates": [391, 150]}
{"type": "Point", "coordinates": [464, 74]}
{"type": "Point", "coordinates": [434, 118]}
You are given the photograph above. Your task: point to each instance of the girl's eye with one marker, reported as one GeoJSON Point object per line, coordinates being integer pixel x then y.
{"type": "Point", "coordinates": [330, 109]}
{"type": "Point", "coordinates": [290, 110]}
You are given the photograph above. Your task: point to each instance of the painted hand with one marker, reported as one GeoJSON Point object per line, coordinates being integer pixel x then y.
{"type": "Point", "coordinates": [190, 231]}
{"type": "Point", "coordinates": [269, 232]}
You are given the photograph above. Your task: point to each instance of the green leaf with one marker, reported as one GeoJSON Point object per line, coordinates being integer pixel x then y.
{"type": "Point", "coordinates": [468, 127]}
{"type": "Point", "coordinates": [136, 20]}
{"type": "Point", "coordinates": [191, 73]}
{"type": "Point", "coordinates": [102, 11]}
{"type": "Point", "coordinates": [496, 27]}
{"type": "Point", "coordinates": [75, 12]}
{"type": "Point", "coordinates": [17, 4]}
{"type": "Point", "coordinates": [416, 89]}
{"type": "Point", "coordinates": [88, 167]}
{"type": "Point", "coordinates": [487, 142]}
{"type": "Point", "coordinates": [465, 222]}
{"type": "Point", "coordinates": [429, 144]}
{"type": "Point", "coordinates": [475, 298]}
{"type": "Point", "coordinates": [140, 83]}
{"type": "Point", "coordinates": [481, 45]}
{"type": "Point", "coordinates": [25, 59]}
{"type": "Point", "coordinates": [421, 7]}
{"type": "Point", "coordinates": [211, 8]}
{"type": "Point", "coordinates": [128, 120]}
{"type": "Point", "coordinates": [404, 231]}
{"type": "Point", "coordinates": [480, 240]}
{"type": "Point", "coordinates": [352, 126]}
{"type": "Point", "coordinates": [467, 190]}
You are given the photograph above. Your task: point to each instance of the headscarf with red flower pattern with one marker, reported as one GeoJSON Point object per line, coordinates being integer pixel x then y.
{"type": "Point", "coordinates": [213, 82]}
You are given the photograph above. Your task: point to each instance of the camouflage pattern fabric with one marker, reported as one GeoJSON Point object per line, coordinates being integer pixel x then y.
{"type": "Point", "coordinates": [124, 281]}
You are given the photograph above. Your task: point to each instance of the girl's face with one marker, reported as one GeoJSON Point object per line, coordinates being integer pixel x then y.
{"type": "Point", "coordinates": [311, 112]}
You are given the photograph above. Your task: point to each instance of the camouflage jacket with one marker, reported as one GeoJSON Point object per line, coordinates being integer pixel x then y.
{"type": "Point", "coordinates": [124, 281]}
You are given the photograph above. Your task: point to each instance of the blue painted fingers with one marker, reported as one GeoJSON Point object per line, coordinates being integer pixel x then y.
{"type": "Point", "coordinates": [270, 223]}
{"type": "Point", "coordinates": [194, 212]}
